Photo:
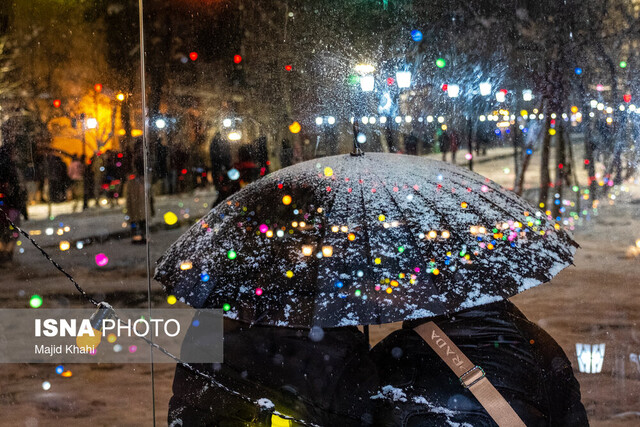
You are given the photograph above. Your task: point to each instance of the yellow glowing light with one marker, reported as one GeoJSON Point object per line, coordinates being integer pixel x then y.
{"type": "Point", "coordinates": [473, 229]}
{"type": "Point", "coordinates": [289, 274]}
{"type": "Point", "coordinates": [389, 290]}
{"type": "Point", "coordinates": [335, 228]}
{"type": "Point", "coordinates": [351, 237]}
{"type": "Point", "coordinates": [136, 132]}
{"type": "Point", "coordinates": [556, 226]}
{"type": "Point", "coordinates": [609, 120]}
{"type": "Point", "coordinates": [111, 338]}
{"type": "Point", "coordinates": [489, 246]}
{"type": "Point", "coordinates": [638, 243]}
{"type": "Point", "coordinates": [381, 217]}
{"type": "Point", "coordinates": [186, 265]}
{"type": "Point", "coordinates": [295, 127]}
{"type": "Point", "coordinates": [86, 340]}
{"type": "Point", "coordinates": [307, 250]}
{"type": "Point", "coordinates": [446, 234]}
{"type": "Point", "coordinates": [294, 224]}
{"type": "Point", "coordinates": [436, 271]}
{"type": "Point", "coordinates": [269, 233]}
{"type": "Point", "coordinates": [319, 210]}
{"type": "Point", "coordinates": [482, 230]}
{"type": "Point", "coordinates": [377, 261]}
{"type": "Point", "coordinates": [122, 132]}
{"type": "Point", "coordinates": [171, 299]}
{"type": "Point", "coordinates": [120, 96]}
{"type": "Point", "coordinates": [286, 200]}
{"type": "Point", "coordinates": [574, 109]}
{"type": "Point", "coordinates": [344, 228]}
{"type": "Point", "coordinates": [67, 374]}
{"type": "Point", "coordinates": [64, 245]}
{"type": "Point", "coordinates": [170, 218]}
{"type": "Point", "coordinates": [524, 113]}
{"type": "Point", "coordinates": [328, 171]}
{"type": "Point", "coordinates": [277, 421]}
{"type": "Point", "coordinates": [432, 234]}
{"type": "Point", "coordinates": [464, 205]}
{"type": "Point", "coordinates": [443, 127]}
{"type": "Point", "coordinates": [394, 283]}
{"type": "Point", "coordinates": [552, 132]}
{"type": "Point", "coordinates": [327, 251]}
{"type": "Point", "coordinates": [302, 224]}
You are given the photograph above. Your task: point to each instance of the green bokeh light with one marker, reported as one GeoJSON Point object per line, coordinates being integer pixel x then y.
{"type": "Point", "coordinates": [35, 301]}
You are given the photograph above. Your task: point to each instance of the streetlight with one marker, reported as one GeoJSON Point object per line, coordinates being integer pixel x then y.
{"type": "Point", "coordinates": [527, 95]}
{"type": "Point", "coordinates": [331, 120]}
{"type": "Point", "coordinates": [485, 88]}
{"type": "Point", "coordinates": [226, 123]}
{"type": "Point", "coordinates": [92, 123]}
{"type": "Point", "coordinates": [161, 123]}
{"type": "Point", "coordinates": [453, 91]}
{"type": "Point", "coordinates": [403, 78]}
{"type": "Point", "coordinates": [367, 83]}
{"type": "Point", "coordinates": [318, 121]}
{"type": "Point", "coordinates": [364, 68]}
{"type": "Point", "coordinates": [500, 96]}
{"type": "Point", "coordinates": [234, 136]}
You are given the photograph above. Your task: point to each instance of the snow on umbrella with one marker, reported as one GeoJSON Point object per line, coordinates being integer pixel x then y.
{"type": "Point", "coordinates": [373, 239]}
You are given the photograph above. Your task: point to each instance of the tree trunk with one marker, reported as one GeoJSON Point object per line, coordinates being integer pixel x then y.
{"type": "Point", "coordinates": [545, 179]}
{"type": "Point", "coordinates": [560, 166]}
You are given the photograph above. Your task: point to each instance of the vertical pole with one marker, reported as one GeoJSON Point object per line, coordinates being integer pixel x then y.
{"type": "Point", "coordinates": [85, 168]}
{"type": "Point", "coordinates": [147, 190]}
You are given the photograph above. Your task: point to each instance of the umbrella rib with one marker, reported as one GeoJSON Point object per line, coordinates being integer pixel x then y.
{"type": "Point", "coordinates": [365, 230]}
{"type": "Point", "coordinates": [416, 242]}
{"type": "Point", "coordinates": [323, 233]}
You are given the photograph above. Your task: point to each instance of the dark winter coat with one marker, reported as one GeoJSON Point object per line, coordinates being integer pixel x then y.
{"type": "Point", "coordinates": [520, 359]}
{"type": "Point", "coordinates": [326, 380]}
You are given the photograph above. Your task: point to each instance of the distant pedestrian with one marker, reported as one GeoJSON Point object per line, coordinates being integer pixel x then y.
{"type": "Point", "coordinates": [262, 154]}
{"type": "Point", "coordinates": [135, 197]}
{"type": "Point", "coordinates": [411, 144]}
{"type": "Point", "coordinates": [220, 155]}
{"type": "Point", "coordinates": [454, 144]}
{"type": "Point", "coordinates": [13, 199]}
{"type": "Point", "coordinates": [445, 144]}
{"type": "Point", "coordinates": [76, 175]}
{"type": "Point", "coordinates": [286, 153]}
{"type": "Point", "coordinates": [58, 179]}
{"type": "Point", "coordinates": [249, 171]}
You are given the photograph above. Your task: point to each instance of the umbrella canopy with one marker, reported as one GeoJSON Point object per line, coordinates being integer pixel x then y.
{"type": "Point", "coordinates": [372, 239]}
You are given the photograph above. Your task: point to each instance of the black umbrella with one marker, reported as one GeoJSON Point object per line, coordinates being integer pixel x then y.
{"type": "Point", "coordinates": [372, 239]}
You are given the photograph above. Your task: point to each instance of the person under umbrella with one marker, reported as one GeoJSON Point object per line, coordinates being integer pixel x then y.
{"type": "Point", "coordinates": [13, 197]}
{"type": "Point", "coordinates": [523, 362]}
{"type": "Point", "coordinates": [368, 239]}
{"type": "Point", "coordinates": [324, 377]}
